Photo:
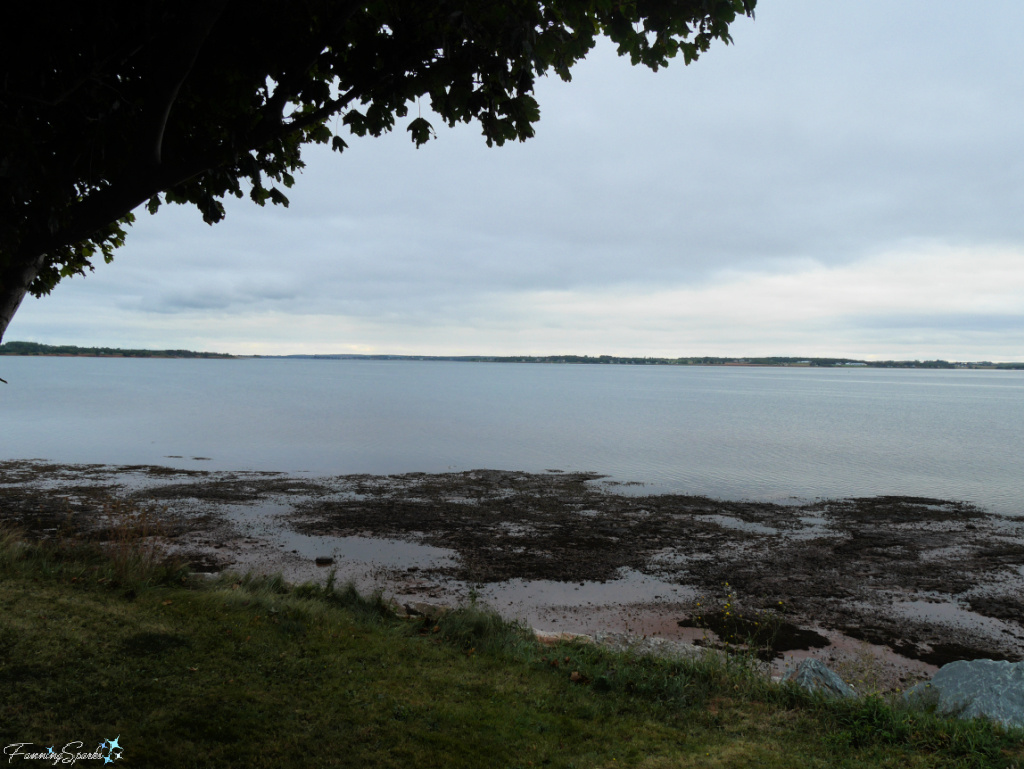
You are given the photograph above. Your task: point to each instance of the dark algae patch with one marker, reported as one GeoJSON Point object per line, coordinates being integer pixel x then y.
{"type": "Point", "coordinates": [502, 525]}
{"type": "Point", "coordinates": [764, 633]}
{"type": "Point", "coordinates": [933, 580]}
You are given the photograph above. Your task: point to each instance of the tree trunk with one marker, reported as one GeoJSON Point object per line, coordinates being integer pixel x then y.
{"type": "Point", "coordinates": [14, 283]}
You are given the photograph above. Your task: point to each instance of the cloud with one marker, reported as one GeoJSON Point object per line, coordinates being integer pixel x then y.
{"type": "Point", "coordinates": [920, 300]}
{"type": "Point", "coordinates": [844, 179]}
{"type": "Point", "coordinates": [917, 276]}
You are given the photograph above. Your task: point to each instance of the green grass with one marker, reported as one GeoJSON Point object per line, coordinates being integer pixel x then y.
{"type": "Point", "coordinates": [243, 671]}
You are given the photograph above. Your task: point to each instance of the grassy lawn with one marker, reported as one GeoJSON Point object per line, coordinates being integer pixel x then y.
{"type": "Point", "coordinates": [256, 673]}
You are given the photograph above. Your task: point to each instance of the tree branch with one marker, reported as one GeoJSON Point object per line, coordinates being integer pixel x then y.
{"type": "Point", "coordinates": [186, 49]}
{"type": "Point", "coordinates": [113, 202]}
{"type": "Point", "coordinates": [310, 118]}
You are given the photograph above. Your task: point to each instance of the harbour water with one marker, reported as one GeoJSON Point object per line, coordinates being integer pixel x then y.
{"type": "Point", "coordinates": [727, 432]}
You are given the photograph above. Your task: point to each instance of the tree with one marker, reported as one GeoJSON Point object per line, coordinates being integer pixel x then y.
{"type": "Point", "coordinates": [109, 105]}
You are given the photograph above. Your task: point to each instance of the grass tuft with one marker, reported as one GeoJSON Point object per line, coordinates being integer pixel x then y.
{"type": "Point", "coordinates": [475, 628]}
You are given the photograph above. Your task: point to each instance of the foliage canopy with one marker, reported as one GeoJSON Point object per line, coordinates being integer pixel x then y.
{"type": "Point", "coordinates": [115, 104]}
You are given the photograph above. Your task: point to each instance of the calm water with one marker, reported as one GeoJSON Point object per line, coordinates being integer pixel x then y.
{"type": "Point", "coordinates": [726, 432]}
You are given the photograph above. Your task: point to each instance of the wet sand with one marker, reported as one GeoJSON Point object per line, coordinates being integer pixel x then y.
{"type": "Point", "coordinates": [885, 589]}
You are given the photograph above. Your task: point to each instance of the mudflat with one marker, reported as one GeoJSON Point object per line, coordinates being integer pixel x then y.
{"type": "Point", "coordinates": [914, 582]}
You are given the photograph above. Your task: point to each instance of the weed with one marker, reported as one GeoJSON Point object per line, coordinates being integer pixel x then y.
{"type": "Point", "coordinates": [745, 635]}
{"type": "Point", "coordinates": [122, 550]}
{"type": "Point", "coordinates": [479, 628]}
{"type": "Point", "coordinates": [865, 672]}
{"type": "Point", "coordinates": [131, 535]}
{"type": "Point", "coordinates": [12, 547]}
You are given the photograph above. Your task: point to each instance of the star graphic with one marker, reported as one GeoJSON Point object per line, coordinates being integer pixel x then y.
{"type": "Point", "coordinates": [50, 749]}
{"type": "Point", "coordinates": [114, 743]}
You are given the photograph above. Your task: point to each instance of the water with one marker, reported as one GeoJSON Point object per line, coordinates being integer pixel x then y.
{"type": "Point", "coordinates": [727, 432]}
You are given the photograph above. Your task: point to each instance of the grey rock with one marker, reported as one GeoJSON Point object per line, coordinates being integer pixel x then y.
{"type": "Point", "coordinates": [552, 637]}
{"type": "Point", "coordinates": [418, 609]}
{"type": "Point", "coordinates": [428, 610]}
{"type": "Point", "coordinates": [976, 688]}
{"type": "Point", "coordinates": [649, 646]}
{"type": "Point", "coordinates": [814, 676]}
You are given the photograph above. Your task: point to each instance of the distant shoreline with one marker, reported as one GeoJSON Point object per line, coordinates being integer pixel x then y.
{"type": "Point", "coordinates": [696, 361]}
{"type": "Point", "coordinates": [33, 349]}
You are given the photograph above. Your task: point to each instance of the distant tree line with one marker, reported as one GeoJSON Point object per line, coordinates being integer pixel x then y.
{"type": "Point", "coordinates": [693, 361]}
{"type": "Point", "coordinates": [762, 361]}
{"type": "Point", "coordinates": [34, 348]}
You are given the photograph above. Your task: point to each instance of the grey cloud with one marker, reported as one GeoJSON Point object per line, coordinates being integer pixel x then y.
{"type": "Point", "coordinates": [944, 322]}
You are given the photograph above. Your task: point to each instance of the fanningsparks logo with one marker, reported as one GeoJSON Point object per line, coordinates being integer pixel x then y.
{"type": "Point", "coordinates": [108, 752]}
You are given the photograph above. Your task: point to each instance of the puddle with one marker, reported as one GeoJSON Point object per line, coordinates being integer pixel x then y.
{"type": "Point", "coordinates": [380, 553]}
{"type": "Point", "coordinates": [367, 561]}
{"type": "Point", "coordinates": [950, 614]}
{"type": "Point", "coordinates": [814, 527]}
{"type": "Point", "coordinates": [737, 524]}
{"type": "Point", "coordinates": [267, 521]}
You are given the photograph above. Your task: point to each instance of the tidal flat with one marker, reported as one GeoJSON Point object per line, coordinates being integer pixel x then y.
{"type": "Point", "coordinates": [897, 585]}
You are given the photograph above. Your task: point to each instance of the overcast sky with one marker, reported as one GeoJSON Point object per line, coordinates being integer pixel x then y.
{"type": "Point", "coordinates": [846, 179]}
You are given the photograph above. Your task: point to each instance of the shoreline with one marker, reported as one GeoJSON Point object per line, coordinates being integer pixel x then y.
{"type": "Point", "coordinates": [894, 585]}
{"type": "Point", "coordinates": [35, 349]}
{"type": "Point", "coordinates": [901, 365]}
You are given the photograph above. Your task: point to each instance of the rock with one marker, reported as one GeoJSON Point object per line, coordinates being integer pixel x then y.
{"type": "Point", "coordinates": [418, 610]}
{"type": "Point", "coordinates": [649, 646]}
{"type": "Point", "coordinates": [976, 688]}
{"type": "Point", "coordinates": [814, 676]}
{"type": "Point", "coordinates": [551, 638]}
{"type": "Point", "coordinates": [428, 610]}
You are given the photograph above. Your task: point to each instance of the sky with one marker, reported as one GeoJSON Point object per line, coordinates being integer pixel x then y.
{"type": "Point", "coordinates": [846, 179]}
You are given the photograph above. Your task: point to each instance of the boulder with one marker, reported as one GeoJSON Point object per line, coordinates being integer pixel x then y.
{"type": "Point", "coordinates": [814, 676]}
{"type": "Point", "coordinates": [976, 688]}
